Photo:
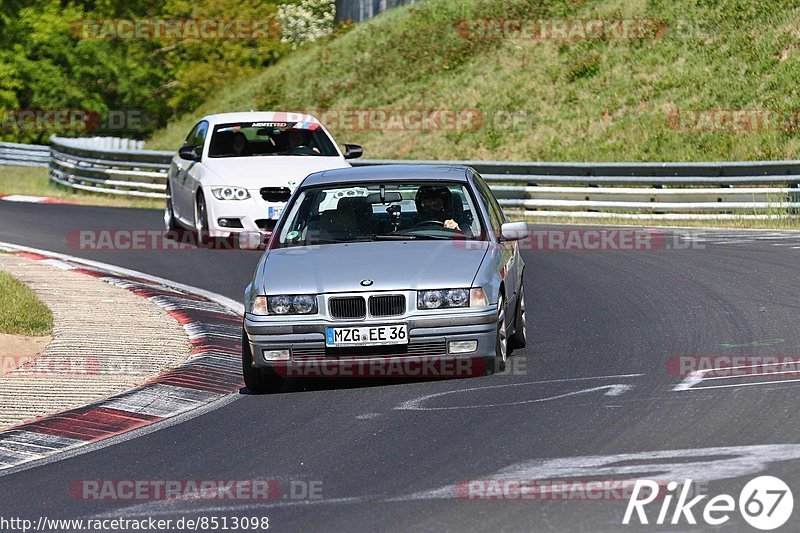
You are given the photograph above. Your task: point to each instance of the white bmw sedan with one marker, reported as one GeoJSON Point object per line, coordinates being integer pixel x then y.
{"type": "Point", "coordinates": [235, 171]}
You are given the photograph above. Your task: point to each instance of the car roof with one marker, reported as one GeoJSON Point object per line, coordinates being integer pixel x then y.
{"type": "Point", "coordinates": [372, 173]}
{"type": "Point", "coordinates": [260, 116]}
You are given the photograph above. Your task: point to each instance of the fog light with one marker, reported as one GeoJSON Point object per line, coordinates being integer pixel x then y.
{"type": "Point", "coordinates": [276, 355]}
{"type": "Point", "coordinates": [462, 346]}
{"type": "Point", "coordinates": [229, 222]}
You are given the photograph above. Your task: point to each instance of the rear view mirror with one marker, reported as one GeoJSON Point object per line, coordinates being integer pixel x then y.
{"type": "Point", "coordinates": [353, 151]}
{"type": "Point", "coordinates": [275, 194]}
{"type": "Point", "coordinates": [388, 198]}
{"type": "Point", "coordinates": [190, 153]}
{"type": "Point", "coordinates": [250, 240]}
{"type": "Point", "coordinates": [514, 231]}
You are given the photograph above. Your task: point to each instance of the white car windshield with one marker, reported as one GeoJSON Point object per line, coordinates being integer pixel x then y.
{"type": "Point", "coordinates": [247, 139]}
{"type": "Point", "coordinates": [381, 211]}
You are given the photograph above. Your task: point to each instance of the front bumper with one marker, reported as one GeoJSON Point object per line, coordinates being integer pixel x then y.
{"type": "Point", "coordinates": [426, 354]}
{"type": "Point", "coordinates": [253, 214]}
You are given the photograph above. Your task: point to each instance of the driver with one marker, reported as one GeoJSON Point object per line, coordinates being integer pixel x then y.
{"type": "Point", "coordinates": [434, 202]}
{"type": "Point", "coordinates": [297, 143]}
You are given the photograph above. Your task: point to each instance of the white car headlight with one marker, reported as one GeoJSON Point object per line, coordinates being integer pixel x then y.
{"type": "Point", "coordinates": [230, 193]}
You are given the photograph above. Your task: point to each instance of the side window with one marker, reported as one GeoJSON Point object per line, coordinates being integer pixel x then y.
{"type": "Point", "coordinates": [496, 217]}
{"type": "Point", "coordinates": [190, 137]}
{"type": "Point", "coordinates": [197, 136]}
{"type": "Point", "coordinates": [200, 134]}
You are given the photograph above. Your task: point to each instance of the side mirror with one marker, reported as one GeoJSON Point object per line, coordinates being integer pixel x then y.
{"type": "Point", "coordinates": [353, 151]}
{"type": "Point", "coordinates": [514, 231]}
{"type": "Point", "coordinates": [250, 240]}
{"type": "Point", "coordinates": [190, 153]}
{"type": "Point", "coordinates": [275, 194]}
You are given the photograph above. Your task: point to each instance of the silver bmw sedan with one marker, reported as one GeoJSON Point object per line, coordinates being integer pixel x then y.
{"type": "Point", "coordinates": [390, 270]}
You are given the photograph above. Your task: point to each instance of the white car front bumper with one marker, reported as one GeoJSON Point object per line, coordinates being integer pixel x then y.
{"type": "Point", "coordinates": [228, 217]}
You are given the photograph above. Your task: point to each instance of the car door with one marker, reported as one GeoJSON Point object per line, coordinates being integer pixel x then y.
{"type": "Point", "coordinates": [186, 174]}
{"type": "Point", "coordinates": [509, 250]}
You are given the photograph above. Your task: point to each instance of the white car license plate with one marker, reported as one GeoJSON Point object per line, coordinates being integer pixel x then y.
{"type": "Point", "coordinates": [366, 336]}
{"type": "Point", "coordinates": [275, 212]}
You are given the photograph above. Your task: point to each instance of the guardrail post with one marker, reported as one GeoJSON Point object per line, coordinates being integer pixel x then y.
{"type": "Point", "coordinates": [794, 197]}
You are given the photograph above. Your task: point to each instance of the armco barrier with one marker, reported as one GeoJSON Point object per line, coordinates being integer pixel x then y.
{"type": "Point", "coordinates": [111, 171]}
{"type": "Point", "coordinates": [758, 189]}
{"type": "Point", "coordinates": [28, 155]}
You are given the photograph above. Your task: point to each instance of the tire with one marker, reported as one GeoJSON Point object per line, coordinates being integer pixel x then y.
{"type": "Point", "coordinates": [256, 380]}
{"type": "Point", "coordinates": [520, 337]}
{"type": "Point", "coordinates": [201, 222]}
{"type": "Point", "coordinates": [170, 224]}
{"type": "Point", "coordinates": [498, 364]}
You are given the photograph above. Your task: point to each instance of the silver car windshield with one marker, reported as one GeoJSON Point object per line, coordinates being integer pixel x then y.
{"type": "Point", "coordinates": [381, 211]}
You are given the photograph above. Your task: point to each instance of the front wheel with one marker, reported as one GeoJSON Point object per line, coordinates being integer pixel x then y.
{"type": "Point", "coordinates": [201, 221]}
{"type": "Point", "coordinates": [170, 224]}
{"type": "Point", "coordinates": [501, 346]}
{"type": "Point", "coordinates": [520, 337]}
{"type": "Point", "coordinates": [256, 380]}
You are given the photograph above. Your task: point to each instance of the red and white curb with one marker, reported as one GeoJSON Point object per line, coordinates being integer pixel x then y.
{"type": "Point", "coordinates": [21, 198]}
{"type": "Point", "coordinates": [213, 326]}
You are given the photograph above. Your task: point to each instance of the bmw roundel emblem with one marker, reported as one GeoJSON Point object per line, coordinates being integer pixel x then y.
{"type": "Point", "coordinates": [366, 282]}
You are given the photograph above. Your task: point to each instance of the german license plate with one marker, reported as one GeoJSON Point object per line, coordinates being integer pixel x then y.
{"type": "Point", "coordinates": [366, 336]}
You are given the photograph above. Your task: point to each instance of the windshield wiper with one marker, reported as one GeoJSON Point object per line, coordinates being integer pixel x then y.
{"type": "Point", "coordinates": [392, 237]}
{"type": "Point", "coordinates": [409, 236]}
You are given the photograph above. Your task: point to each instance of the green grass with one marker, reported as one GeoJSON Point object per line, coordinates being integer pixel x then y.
{"type": "Point", "coordinates": [34, 181]}
{"type": "Point", "coordinates": [22, 313]}
{"type": "Point", "coordinates": [601, 100]}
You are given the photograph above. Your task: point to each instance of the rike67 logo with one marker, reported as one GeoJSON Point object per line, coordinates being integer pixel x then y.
{"type": "Point", "coordinates": [765, 503]}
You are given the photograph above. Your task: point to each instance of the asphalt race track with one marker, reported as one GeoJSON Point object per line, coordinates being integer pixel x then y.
{"type": "Point", "coordinates": [593, 381]}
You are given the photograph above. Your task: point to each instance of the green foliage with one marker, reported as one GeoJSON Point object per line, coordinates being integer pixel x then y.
{"type": "Point", "coordinates": [45, 63]}
{"type": "Point", "coordinates": [584, 100]}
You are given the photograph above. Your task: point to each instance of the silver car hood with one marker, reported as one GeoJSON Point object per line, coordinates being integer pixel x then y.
{"type": "Point", "coordinates": [391, 265]}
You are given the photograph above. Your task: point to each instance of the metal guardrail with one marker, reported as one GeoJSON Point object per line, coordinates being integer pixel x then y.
{"type": "Point", "coordinates": [140, 173]}
{"type": "Point", "coordinates": [29, 155]}
{"type": "Point", "coordinates": [748, 190]}
{"type": "Point", "coordinates": [589, 190]}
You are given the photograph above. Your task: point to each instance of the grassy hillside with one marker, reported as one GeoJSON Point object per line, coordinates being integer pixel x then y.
{"type": "Point", "coordinates": [582, 100]}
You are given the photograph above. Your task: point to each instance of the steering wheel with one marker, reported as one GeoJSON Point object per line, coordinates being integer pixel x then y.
{"type": "Point", "coordinates": [427, 223]}
{"type": "Point", "coordinates": [302, 150]}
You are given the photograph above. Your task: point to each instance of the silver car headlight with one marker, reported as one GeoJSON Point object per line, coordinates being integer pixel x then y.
{"type": "Point", "coordinates": [299, 304]}
{"type": "Point", "coordinates": [230, 193]}
{"type": "Point", "coordinates": [451, 298]}
{"type": "Point", "coordinates": [442, 298]}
